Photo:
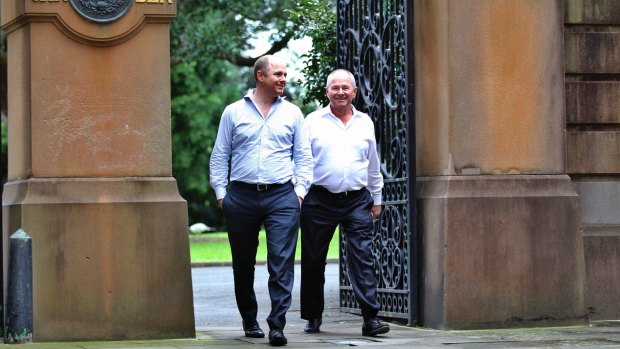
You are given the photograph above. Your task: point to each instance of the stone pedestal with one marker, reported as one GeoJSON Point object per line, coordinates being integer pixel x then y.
{"type": "Point", "coordinates": [499, 218]}
{"type": "Point", "coordinates": [500, 251]}
{"type": "Point", "coordinates": [90, 176]}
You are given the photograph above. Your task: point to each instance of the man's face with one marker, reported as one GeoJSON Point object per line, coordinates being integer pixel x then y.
{"type": "Point", "coordinates": [274, 78]}
{"type": "Point", "coordinates": [341, 91]}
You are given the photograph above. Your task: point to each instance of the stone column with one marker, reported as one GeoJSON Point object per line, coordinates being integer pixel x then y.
{"type": "Point", "coordinates": [90, 175]}
{"type": "Point", "coordinates": [592, 42]}
{"type": "Point", "coordinates": [499, 217]}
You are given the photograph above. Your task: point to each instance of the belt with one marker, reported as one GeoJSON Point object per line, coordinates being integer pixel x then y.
{"type": "Point", "coordinates": [258, 186]}
{"type": "Point", "coordinates": [340, 195]}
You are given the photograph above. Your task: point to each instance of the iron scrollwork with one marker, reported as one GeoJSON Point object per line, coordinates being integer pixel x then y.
{"type": "Point", "coordinates": [372, 40]}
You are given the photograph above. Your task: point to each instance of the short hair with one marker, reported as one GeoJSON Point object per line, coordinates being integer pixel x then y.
{"type": "Point", "coordinates": [262, 63]}
{"type": "Point", "coordinates": [330, 77]}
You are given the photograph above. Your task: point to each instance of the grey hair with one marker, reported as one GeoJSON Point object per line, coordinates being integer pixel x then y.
{"type": "Point", "coordinates": [330, 77]}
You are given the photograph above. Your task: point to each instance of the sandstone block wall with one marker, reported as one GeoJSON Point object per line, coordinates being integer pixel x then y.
{"type": "Point", "coordinates": [592, 56]}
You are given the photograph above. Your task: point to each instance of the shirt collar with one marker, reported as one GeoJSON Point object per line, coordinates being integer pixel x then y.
{"type": "Point", "coordinates": [328, 111]}
{"type": "Point", "coordinates": [248, 96]}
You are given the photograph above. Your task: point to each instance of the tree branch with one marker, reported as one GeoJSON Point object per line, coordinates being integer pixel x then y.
{"type": "Point", "coordinates": [276, 47]}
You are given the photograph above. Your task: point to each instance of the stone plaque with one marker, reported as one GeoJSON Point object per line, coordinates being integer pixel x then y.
{"type": "Point", "coordinates": [101, 11]}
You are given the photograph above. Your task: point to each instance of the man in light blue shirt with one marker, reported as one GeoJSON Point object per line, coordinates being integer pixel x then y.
{"type": "Point", "coordinates": [263, 138]}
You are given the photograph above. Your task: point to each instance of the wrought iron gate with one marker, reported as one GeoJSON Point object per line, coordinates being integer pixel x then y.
{"type": "Point", "coordinates": [375, 43]}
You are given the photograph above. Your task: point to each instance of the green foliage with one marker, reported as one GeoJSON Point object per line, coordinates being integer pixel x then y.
{"type": "Point", "coordinates": [317, 20]}
{"type": "Point", "coordinates": [197, 104]}
{"type": "Point", "coordinates": [207, 30]}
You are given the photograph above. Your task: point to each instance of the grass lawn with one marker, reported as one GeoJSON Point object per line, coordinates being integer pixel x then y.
{"type": "Point", "coordinates": [214, 247]}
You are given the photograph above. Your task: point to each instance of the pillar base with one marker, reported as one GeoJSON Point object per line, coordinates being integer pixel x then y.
{"type": "Point", "coordinates": [602, 254]}
{"type": "Point", "coordinates": [110, 257]}
{"type": "Point", "coordinates": [500, 251]}
{"type": "Point", "coordinates": [600, 207]}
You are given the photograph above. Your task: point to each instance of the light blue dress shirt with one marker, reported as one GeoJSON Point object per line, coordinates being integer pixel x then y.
{"type": "Point", "coordinates": [261, 150]}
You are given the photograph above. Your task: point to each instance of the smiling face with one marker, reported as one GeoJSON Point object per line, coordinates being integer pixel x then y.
{"type": "Point", "coordinates": [341, 90]}
{"type": "Point", "coordinates": [273, 77]}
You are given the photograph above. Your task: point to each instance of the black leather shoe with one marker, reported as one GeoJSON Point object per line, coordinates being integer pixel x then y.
{"type": "Point", "coordinates": [276, 338]}
{"type": "Point", "coordinates": [313, 326]}
{"type": "Point", "coordinates": [373, 327]}
{"type": "Point", "coordinates": [253, 331]}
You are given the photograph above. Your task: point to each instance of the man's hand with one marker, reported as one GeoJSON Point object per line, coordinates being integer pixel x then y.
{"type": "Point", "coordinates": [375, 211]}
{"type": "Point", "coordinates": [220, 202]}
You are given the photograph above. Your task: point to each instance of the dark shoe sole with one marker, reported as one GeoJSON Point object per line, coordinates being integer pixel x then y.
{"type": "Point", "coordinates": [255, 335]}
{"type": "Point", "coordinates": [278, 342]}
{"type": "Point", "coordinates": [312, 330]}
{"type": "Point", "coordinates": [380, 330]}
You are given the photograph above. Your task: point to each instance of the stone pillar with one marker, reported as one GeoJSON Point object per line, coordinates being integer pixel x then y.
{"type": "Point", "coordinates": [592, 42]}
{"type": "Point", "coordinates": [90, 175]}
{"type": "Point", "coordinates": [498, 216]}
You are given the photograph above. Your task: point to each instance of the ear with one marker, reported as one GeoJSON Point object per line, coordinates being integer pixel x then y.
{"type": "Point", "coordinates": [260, 75]}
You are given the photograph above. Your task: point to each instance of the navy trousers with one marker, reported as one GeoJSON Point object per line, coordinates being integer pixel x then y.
{"type": "Point", "coordinates": [320, 215]}
{"type": "Point", "coordinates": [277, 209]}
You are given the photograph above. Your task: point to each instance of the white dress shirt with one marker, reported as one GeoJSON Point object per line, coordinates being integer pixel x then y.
{"type": "Point", "coordinates": [261, 150]}
{"type": "Point", "coordinates": [345, 156]}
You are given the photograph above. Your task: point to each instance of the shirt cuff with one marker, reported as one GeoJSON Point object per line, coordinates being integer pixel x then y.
{"type": "Point", "coordinates": [301, 191]}
{"type": "Point", "coordinates": [376, 199]}
{"type": "Point", "coordinates": [220, 193]}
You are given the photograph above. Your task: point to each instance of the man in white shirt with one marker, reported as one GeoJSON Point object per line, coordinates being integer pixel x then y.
{"type": "Point", "coordinates": [346, 189]}
{"type": "Point", "coordinates": [262, 137]}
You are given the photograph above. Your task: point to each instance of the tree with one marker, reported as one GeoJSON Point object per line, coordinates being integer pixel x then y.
{"type": "Point", "coordinates": [207, 30]}
{"type": "Point", "coordinates": [317, 20]}
{"type": "Point", "coordinates": [197, 102]}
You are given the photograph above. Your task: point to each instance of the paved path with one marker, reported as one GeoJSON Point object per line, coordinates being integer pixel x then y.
{"type": "Point", "coordinates": [218, 325]}
{"type": "Point", "coordinates": [214, 296]}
